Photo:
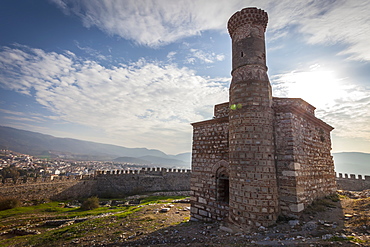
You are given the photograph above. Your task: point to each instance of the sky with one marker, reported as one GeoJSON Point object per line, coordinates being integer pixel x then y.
{"type": "Point", "coordinates": [137, 73]}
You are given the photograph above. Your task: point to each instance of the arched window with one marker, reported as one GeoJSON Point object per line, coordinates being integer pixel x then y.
{"type": "Point", "coordinates": [222, 185]}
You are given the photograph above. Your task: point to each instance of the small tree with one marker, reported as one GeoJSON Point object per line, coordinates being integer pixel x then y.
{"type": "Point", "coordinates": [90, 203]}
{"type": "Point", "coordinates": [9, 203]}
{"type": "Point", "coordinates": [10, 172]}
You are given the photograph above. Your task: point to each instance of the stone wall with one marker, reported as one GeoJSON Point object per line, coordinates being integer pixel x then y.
{"type": "Point", "coordinates": [305, 167]}
{"type": "Point", "coordinates": [123, 183]}
{"type": "Point", "coordinates": [84, 186]}
{"type": "Point", "coordinates": [210, 159]}
{"type": "Point", "coordinates": [278, 159]}
{"type": "Point", "coordinates": [350, 182]}
{"type": "Point", "coordinates": [59, 190]}
{"type": "Point", "coordinates": [41, 180]}
{"type": "Point", "coordinates": [102, 184]}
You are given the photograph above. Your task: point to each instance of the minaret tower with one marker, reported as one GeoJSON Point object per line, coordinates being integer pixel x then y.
{"type": "Point", "coordinates": [253, 184]}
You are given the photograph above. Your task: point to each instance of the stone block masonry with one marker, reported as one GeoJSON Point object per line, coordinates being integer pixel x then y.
{"type": "Point", "coordinates": [123, 183]}
{"type": "Point", "coordinates": [305, 168]}
{"type": "Point", "coordinates": [260, 156]}
{"type": "Point", "coordinates": [210, 170]}
{"type": "Point", "coordinates": [45, 188]}
{"type": "Point", "coordinates": [350, 182]}
{"type": "Point", "coordinates": [77, 187]}
{"type": "Point", "coordinates": [118, 183]}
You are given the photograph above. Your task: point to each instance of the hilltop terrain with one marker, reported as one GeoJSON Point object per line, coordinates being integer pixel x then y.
{"type": "Point", "coordinates": [37, 144]}
{"type": "Point", "coordinates": [164, 221]}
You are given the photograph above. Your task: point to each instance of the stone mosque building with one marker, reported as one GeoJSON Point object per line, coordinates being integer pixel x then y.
{"type": "Point", "coordinates": [260, 156]}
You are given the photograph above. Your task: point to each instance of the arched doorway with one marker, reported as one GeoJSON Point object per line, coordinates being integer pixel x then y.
{"type": "Point", "coordinates": [222, 185]}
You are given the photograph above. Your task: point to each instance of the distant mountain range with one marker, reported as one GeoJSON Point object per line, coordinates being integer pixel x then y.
{"type": "Point", "coordinates": [352, 163]}
{"type": "Point", "coordinates": [41, 145]}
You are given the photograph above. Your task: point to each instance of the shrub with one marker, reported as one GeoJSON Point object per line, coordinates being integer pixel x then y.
{"type": "Point", "coordinates": [333, 197]}
{"type": "Point", "coordinates": [322, 204]}
{"type": "Point", "coordinates": [9, 203]}
{"type": "Point", "coordinates": [90, 203]}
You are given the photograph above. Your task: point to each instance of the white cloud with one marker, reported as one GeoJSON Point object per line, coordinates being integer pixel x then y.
{"type": "Point", "coordinates": [350, 116]}
{"type": "Point", "coordinates": [137, 102]}
{"type": "Point", "coordinates": [203, 57]}
{"type": "Point", "coordinates": [21, 117]}
{"type": "Point", "coordinates": [152, 23]}
{"type": "Point", "coordinates": [155, 23]}
{"type": "Point", "coordinates": [340, 22]}
{"type": "Point", "coordinates": [16, 113]}
{"type": "Point", "coordinates": [92, 52]}
{"type": "Point", "coordinates": [171, 55]}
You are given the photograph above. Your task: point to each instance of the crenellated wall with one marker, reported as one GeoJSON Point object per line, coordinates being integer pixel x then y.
{"type": "Point", "coordinates": [41, 189]}
{"type": "Point", "coordinates": [41, 180]}
{"type": "Point", "coordinates": [351, 182]}
{"type": "Point", "coordinates": [117, 183]}
{"type": "Point", "coordinates": [103, 184]}
{"type": "Point", "coordinates": [122, 183]}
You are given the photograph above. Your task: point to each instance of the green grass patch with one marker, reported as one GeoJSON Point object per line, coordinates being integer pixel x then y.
{"type": "Point", "coordinates": [340, 239]}
{"type": "Point", "coordinates": [59, 235]}
{"type": "Point", "coordinates": [340, 196]}
{"type": "Point", "coordinates": [160, 199]}
{"type": "Point", "coordinates": [333, 197]}
{"type": "Point", "coordinates": [356, 240]}
{"type": "Point", "coordinates": [127, 212]}
{"type": "Point", "coordinates": [51, 210]}
{"type": "Point", "coordinates": [40, 213]}
{"type": "Point", "coordinates": [31, 209]}
{"type": "Point", "coordinates": [350, 238]}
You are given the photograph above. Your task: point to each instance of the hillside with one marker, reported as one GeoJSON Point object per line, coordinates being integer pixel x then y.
{"type": "Point", "coordinates": [152, 160]}
{"type": "Point", "coordinates": [43, 145]}
{"type": "Point", "coordinates": [328, 223]}
{"type": "Point", "coordinates": [38, 144]}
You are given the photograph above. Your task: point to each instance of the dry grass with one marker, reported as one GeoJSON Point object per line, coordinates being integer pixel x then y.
{"type": "Point", "coordinates": [144, 225]}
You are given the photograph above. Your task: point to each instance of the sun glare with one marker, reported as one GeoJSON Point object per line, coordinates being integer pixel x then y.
{"type": "Point", "coordinates": [318, 87]}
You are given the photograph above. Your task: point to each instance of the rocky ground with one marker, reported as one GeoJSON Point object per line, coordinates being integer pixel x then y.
{"type": "Point", "coordinates": [329, 222]}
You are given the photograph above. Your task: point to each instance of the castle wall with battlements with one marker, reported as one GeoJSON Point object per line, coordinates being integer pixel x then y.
{"type": "Point", "coordinates": [77, 187]}
{"type": "Point", "coordinates": [353, 183]}
{"type": "Point", "coordinates": [116, 183]}
{"type": "Point", "coordinates": [123, 183]}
